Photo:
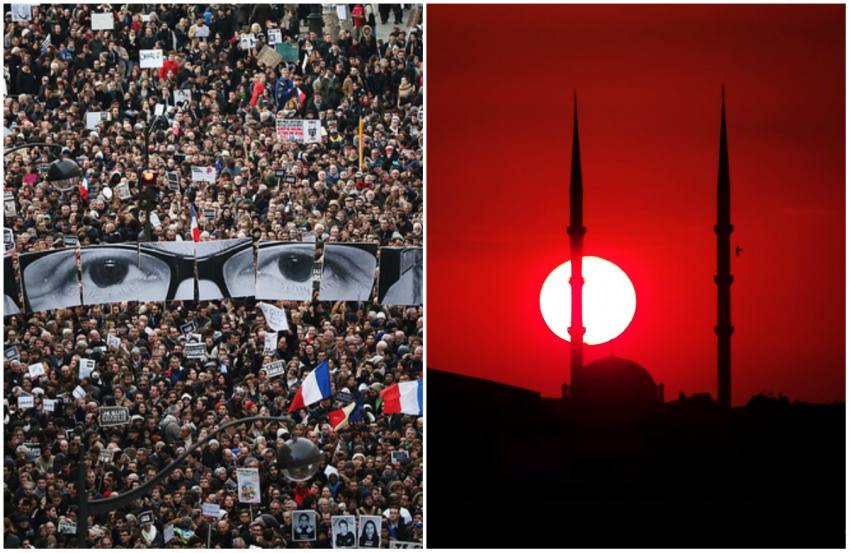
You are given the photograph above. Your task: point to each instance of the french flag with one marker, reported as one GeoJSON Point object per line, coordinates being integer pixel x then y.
{"type": "Point", "coordinates": [353, 412]}
{"type": "Point", "coordinates": [404, 397]}
{"type": "Point", "coordinates": [316, 386]}
{"type": "Point", "coordinates": [196, 231]}
{"type": "Point", "coordinates": [84, 189]}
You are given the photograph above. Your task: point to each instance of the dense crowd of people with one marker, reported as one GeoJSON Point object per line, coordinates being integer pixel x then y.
{"type": "Point", "coordinates": [58, 69]}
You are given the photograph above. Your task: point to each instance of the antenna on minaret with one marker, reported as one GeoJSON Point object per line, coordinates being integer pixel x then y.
{"type": "Point", "coordinates": [576, 232]}
{"type": "Point", "coordinates": [723, 279]}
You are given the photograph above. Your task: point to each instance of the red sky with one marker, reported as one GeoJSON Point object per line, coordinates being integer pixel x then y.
{"type": "Point", "coordinates": [648, 78]}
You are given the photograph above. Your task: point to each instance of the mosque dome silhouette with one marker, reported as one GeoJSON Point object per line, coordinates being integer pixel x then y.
{"type": "Point", "coordinates": [617, 380]}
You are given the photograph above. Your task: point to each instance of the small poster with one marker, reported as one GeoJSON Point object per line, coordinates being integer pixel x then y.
{"type": "Point", "coordinates": [8, 239]}
{"type": "Point", "coordinates": [274, 36]}
{"type": "Point", "coordinates": [211, 510]}
{"type": "Point", "coordinates": [370, 532]}
{"type": "Point", "coordinates": [208, 213]}
{"type": "Point", "coordinates": [95, 117]}
{"type": "Point", "coordinates": [181, 96]}
{"type": "Point", "coordinates": [274, 369]}
{"type": "Point", "coordinates": [9, 208]}
{"type": "Point", "coordinates": [247, 41]}
{"type": "Point", "coordinates": [173, 180]}
{"type": "Point", "coordinates": [79, 392]}
{"type": "Point", "coordinates": [396, 457]}
{"type": "Point", "coordinates": [269, 56]}
{"type": "Point", "coordinates": [187, 328]}
{"type": "Point", "coordinates": [102, 21]}
{"type": "Point", "coordinates": [168, 533]}
{"type": "Point", "coordinates": [275, 317]}
{"type": "Point", "coordinates": [287, 50]}
{"type": "Point", "coordinates": [113, 341]}
{"type": "Point", "coordinates": [202, 32]}
{"type": "Point", "coordinates": [342, 530]}
{"type": "Point", "coordinates": [11, 353]}
{"type": "Point", "coordinates": [66, 527]}
{"type": "Point", "coordinates": [203, 174]}
{"type": "Point", "coordinates": [114, 416]}
{"type": "Point", "coordinates": [312, 131]}
{"type": "Point", "coordinates": [49, 405]}
{"type": "Point", "coordinates": [269, 343]}
{"type": "Point", "coordinates": [86, 368]}
{"type": "Point", "coordinates": [150, 58]}
{"type": "Point", "coordinates": [248, 485]}
{"type": "Point", "coordinates": [69, 240]}
{"type": "Point", "coordinates": [106, 456]}
{"type": "Point", "coordinates": [36, 370]}
{"type": "Point", "coordinates": [304, 525]}
{"type": "Point", "coordinates": [196, 351]}
{"type": "Point", "coordinates": [146, 518]}
{"type": "Point", "coordinates": [123, 191]}
{"type": "Point", "coordinates": [21, 12]}
{"type": "Point", "coordinates": [30, 178]}
{"type": "Point", "coordinates": [26, 402]}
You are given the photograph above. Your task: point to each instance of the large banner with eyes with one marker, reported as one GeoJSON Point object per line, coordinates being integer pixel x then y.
{"type": "Point", "coordinates": [166, 271]}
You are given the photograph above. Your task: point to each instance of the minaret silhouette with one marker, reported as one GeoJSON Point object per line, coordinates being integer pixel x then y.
{"type": "Point", "coordinates": [723, 279]}
{"type": "Point", "coordinates": [576, 232]}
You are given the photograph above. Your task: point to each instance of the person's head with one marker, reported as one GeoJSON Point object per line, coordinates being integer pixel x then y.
{"type": "Point", "coordinates": [369, 529]}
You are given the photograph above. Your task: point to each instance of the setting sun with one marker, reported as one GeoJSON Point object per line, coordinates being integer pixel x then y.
{"type": "Point", "coordinates": [609, 300]}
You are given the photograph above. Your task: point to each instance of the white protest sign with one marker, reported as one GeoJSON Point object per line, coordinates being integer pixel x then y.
{"type": "Point", "coordinates": [102, 21]}
{"type": "Point", "coordinates": [113, 341]}
{"type": "Point", "coordinates": [168, 533]}
{"type": "Point", "coordinates": [247, 41]}
{"type": "Point", "coordinates": [269, 343]}
{"type": "Point", "coordinates": [79, 393]}
{"type": "Point", "coordinates": [159, 109]}
{"type": "Point", "coordinates": [49, 405]}
{"type": "Point", "coordinates": [274, 36]}
{"type": "Point", "coordinates": [195, 351]}
{"type": "Point", "coordinates": [21, 12]}
{"type": "Point", "coordinates": [154, 219]}
{"type": "Point", "coordinates": [36, 369]}
{"type": "Point", "coordinates": [248, 484]}
{"type": "Point", "coordinates": [202, 31]}
{"type": "Point", "coordinates": [67, 527]}
{"type": "Point", "coordinates": [86, 367]}
{"type": "Point", "coordinates": [181, 96]}
{"type": "Point", "coordinates": [203, 174]}
{"type": "Point", "coordinates": [26, 402]}
{"type": "Point", "coordinates": [340, 11]}
{"type": "Point", "coordinates": [275, 369]}
{"type": "Point", "coordinates": [150, 58]}
{"type": "Point", "coordinates": [95, 117]}
{"type": "Point", "coordinates": [275, 317]}
{"type": "Point", "coordinates": [312, 131]}
{"type": "Point", "coordinates": [211, 510]}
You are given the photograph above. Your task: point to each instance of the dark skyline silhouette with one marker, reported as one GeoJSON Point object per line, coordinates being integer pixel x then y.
{"type": "Point", "coordinates": [611, 464]}
{"type": "Point", "coordinates": [648, 79]}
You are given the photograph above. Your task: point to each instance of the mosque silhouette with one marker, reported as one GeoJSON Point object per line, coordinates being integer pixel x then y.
{"type": "Point", "coordinates": [611, 464]}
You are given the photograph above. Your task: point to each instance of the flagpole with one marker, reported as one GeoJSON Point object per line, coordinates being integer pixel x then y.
{"type": "Point", "coordinates": [361, 142]}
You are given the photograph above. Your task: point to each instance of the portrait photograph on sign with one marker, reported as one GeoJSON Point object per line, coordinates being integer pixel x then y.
{"type": "Point", "coordinates": [348, 271]}
{"type": "Point", "coordinates": [370, 532]}
{"type": "Point", "coordinates": [400, 276]}
{"type": "Point", "coordinates": [285, 271]}
{"type": "Point", "coordinates": [304, 525]}
{"type": "Point", "coordinates": [50, 280]}
{"type": "Point", "coordinates": [111, 273]}
{"type": "Point", "coordinates": [225, 269]}
{"type": "Point", "coordinates": [342, 530]}
{"type": "Point", "coordinates": [11, 291]}
{"type": "Point", "coordinates": [170, 268]}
